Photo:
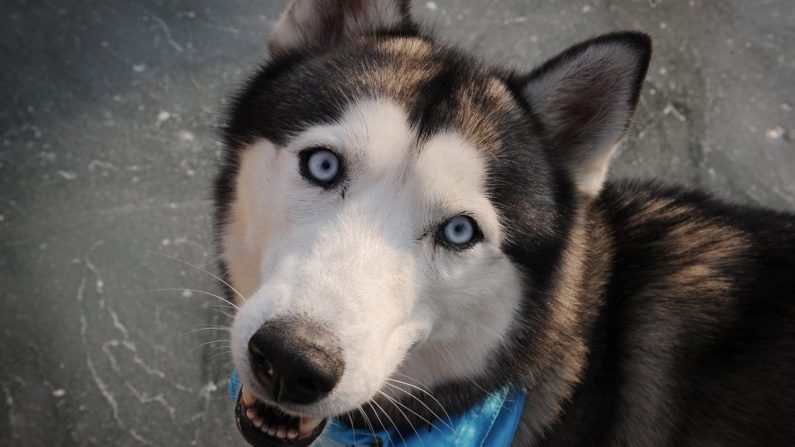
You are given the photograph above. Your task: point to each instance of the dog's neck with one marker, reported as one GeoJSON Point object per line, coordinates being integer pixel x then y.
{"type": "Point", "coordinates": [577, 294]}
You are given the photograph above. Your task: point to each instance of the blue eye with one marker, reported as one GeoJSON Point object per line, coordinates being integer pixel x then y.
{"type": "Point", "coordinates": [460, 232]}
{"type": "Point", "coordinates": [320, 166]}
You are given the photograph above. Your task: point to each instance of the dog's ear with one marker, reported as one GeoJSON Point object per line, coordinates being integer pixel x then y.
{"type": "Point", "coordinates": [312, 22]}
{"type": "Point", "coordinates": [585, 98]}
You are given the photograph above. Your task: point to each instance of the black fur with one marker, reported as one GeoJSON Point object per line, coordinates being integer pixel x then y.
{"type": "Point", "coordinates": [730, 378]}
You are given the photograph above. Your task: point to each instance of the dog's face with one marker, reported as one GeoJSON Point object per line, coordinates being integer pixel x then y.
{"type": "Point", "coordinates": [392, 211]}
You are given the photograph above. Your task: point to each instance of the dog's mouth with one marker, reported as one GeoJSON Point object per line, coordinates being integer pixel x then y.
{"type": "Point", "coordinates": [264, 425]}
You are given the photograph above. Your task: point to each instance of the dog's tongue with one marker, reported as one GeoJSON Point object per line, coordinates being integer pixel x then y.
{"type": "Point", "coordinates": [248, 399]}
{"type": "Point", "coordinates": [307, 426]}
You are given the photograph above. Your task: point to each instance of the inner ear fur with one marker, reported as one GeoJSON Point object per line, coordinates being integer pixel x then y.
{"type": "Point", "coordinates": [585, 98]}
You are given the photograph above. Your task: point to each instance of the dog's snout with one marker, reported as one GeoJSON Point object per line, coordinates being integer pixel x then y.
{"type": "Point", "coordinates": [296, 362]}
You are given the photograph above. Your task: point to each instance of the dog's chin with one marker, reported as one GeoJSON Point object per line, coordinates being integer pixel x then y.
{"type": "Point", "coordinates": [264, 425]}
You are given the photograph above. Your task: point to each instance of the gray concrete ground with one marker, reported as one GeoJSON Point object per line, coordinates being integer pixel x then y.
{"type": "Point", "coordinates": [107, 147]}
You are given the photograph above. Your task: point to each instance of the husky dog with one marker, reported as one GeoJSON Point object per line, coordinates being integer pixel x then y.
{"type": "Point", "coordinates": [408, 229]}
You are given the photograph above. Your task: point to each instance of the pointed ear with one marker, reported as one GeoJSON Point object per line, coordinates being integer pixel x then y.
{"type": "Point", "coordinates": [585, 98]}
{"type": "Point", "coordinates": [312, 22]}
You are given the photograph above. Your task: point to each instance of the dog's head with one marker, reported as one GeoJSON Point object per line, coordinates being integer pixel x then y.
{"type": "Point", "coordinates": [393, 212]}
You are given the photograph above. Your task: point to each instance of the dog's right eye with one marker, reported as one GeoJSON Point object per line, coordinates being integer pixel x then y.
{"type": "Point", "coordinates": [320, 166]}
{"type": "Point", "coordinates": [459, 233]}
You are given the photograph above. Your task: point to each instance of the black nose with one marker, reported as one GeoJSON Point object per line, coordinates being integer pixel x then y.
{"type": "Point", "coordinates": [297, 361]}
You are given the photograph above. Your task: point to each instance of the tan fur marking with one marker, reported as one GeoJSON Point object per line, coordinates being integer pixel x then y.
{"type": "Point", "coordinates": [406, 46]}
{"type": "Point", "coordinates": [473, 120]}
{"type": "Point", "coordinates": [398, 83]}
{"type": "Point", "coordinates": [582, 279]}
{"type": "Point", "coordinates": [702, 247]}
{"type": "Point", "coordinates": [400, 78]}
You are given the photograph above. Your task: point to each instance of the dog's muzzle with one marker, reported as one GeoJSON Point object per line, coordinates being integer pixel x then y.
{"type": "Point", "coordinates": [294, 362]}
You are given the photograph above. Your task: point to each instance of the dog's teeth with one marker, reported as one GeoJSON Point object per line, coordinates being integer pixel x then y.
{"type": "Point", "coordinates": [257, 422]}
{"type": "Point", "coordinates": [308, 424]}
{"type": "Point", "coordinates": [292, 434]}
{"type": "Point", "coordinates": [265, 428]}
{"type": "Point", "coordinates": [272, 431]}
{"type": "Point", "coordinates": [281, 432]}
{"type": "Point", "coordinates": [251, 414]}
{"type": "Point", "coordinates": [248, 398]}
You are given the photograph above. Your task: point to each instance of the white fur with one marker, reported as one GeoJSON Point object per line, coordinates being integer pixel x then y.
{"type": "Point", "coordinates": [365, 265]}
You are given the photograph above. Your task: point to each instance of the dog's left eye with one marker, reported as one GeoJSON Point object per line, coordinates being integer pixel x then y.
{"type": "Point", "coordinates": [460, 232]}
{"type": "Point", "coordinates": [320, 166]}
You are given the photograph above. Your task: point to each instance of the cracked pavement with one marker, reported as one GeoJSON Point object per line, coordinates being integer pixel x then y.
{"type": "Point", "coordinates": [107, 149]}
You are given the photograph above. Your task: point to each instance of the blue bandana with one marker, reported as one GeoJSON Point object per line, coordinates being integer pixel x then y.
{"type": "Point", "coordinates": [492, 423]}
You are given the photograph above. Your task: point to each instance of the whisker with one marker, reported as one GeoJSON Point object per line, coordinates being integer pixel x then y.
{"type": "Point", "coordinates": [336, 410]}
{"type": "Point", "coordinates": [202, 292]}
{"type": "Point", "coordinates": [224, 353]}
{"type": "Point", "coordinates": [472, 381]}
{"type": "Point", "coordinates": [391, 422]}
{"type": "Point", "coordinates": [211, 326]}
{"type": "Point", "coordinates": [228, 315]}
{"type": "Point", "coordinates": [221, 308]}
{"type": "Point", "coordinates": [429, 395]}
{"type": "Point", "coordinates": [397, 402]}
{"type": "Point", "coordinates": [448, 425]}
{"type": "Point", "coordinates": [382, 423]}
{"type": "Point", "coordinates": [413, 379]}
{"type": "Point", "coordinates": [208, 328]}
{"type": "Point", "coordinates": [218, 310]}
{"type": "Point", "coordinates": [394, 402]}
{"type": "Point", "coordinates": [217, 348]}
{"type": "Point", "coordinates": [211, 342]}
{"type": "Point", "coordinates": [218, 306]}
{"type": "Point", "coordinates": [367, 421]}
{"type": "Point", "coordinates": [203, 270]}
{"type": "Point", "coordinates": [353, 429]}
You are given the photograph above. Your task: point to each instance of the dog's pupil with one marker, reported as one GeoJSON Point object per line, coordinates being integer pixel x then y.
{"type": "Point", "coordinates": [326, 165]}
